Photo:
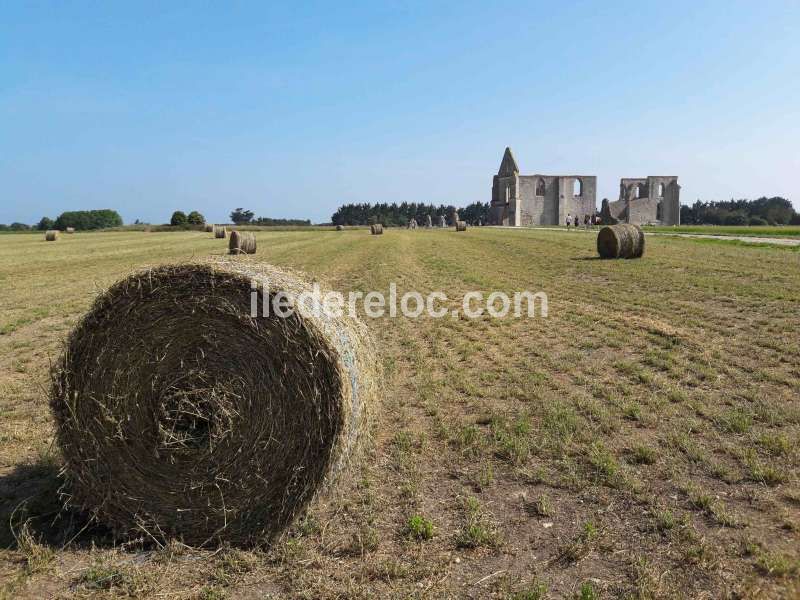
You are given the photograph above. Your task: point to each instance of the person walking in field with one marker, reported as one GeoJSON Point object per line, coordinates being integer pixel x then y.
{"type": "Point", "coordinates": [586, 221]}
{"type": "Point", "coordinates": [577, 222]}
{"type": "Point", "coordinates": [569, 220]}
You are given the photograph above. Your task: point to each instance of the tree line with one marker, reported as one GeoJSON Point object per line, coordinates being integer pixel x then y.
{"type": "Point", "coordinates": [77, 219]}
{"type": "Point", "coordinates": [762, 211]}
{"type": "Point", "coordinates": [400, 214]}
{"type": "Point", "coordinates": [240, 216]}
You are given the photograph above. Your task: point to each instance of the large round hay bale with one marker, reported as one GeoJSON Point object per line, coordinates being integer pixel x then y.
{"type": "Point", "coordinates": [376, 229]}
{"type": "Point", "coordinates": [340, 228]}
{"type": "Point", "coordinates": [209, 228]}
{"type": "Point", "coordinates": [461, 225]}
{"type": "Point", "coordinates": [179, 414]}
{"type": "Point", "coordinates": [69, 230]}
{"type": "Point", "coordinates": [620, 241]}
{"type": "Point", "coordinates": [219, 232]}
{"type": "Point", "coordinates": [242, 242]}
{"type": "Point", "coordinates": [51, 235]}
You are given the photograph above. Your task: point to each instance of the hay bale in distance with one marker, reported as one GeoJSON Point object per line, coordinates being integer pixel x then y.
{"type": "Point", "coordinates": [51, 235]}
{"type": "Point", "coordinates": [219, 232]}
{"type": "Point", "coordinates": [209, 228]}
{"type": "Point", "coordinates": [620, 241]}
{"type": "Point", "coordinates": [179, 414]}
{"type": "Point", "coordinates": [69, 230]}
{"type": "Point", "coordinates": [376, 229]}
{"type": "Point", "coordinates": [242, 242]}
{"type": "Point", "coordinates": [340, 228]}
{"type": "Point", "coordinates": [461, 225]}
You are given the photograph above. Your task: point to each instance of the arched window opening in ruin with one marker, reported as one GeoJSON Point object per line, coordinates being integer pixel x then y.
{"type": "Point", "coordinates": [635, 191]}
{"type": "Point", "coordinates": [660, 190]}
{"type": "Point", "coordinates": [577, 190]}
{"type": "Point", "coordinates": [540, 187]}
{"type": "Point", "coordinates": [641, 191]}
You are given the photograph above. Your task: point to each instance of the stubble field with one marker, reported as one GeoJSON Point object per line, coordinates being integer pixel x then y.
{"type": "Point", "coordinates": [642, 441]}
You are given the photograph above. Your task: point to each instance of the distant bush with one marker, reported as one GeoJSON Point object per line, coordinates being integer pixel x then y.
{"type": "Point", "coordinates": [19, 227]}
{"type": "Point", "coordinates": [178, 218]}
{"type": "Point", "coordinates": [195, 218]}
{"type": "Point", "coordinates": [757, 221]}
{"type": "Point", "coordinates": [241, 216]}
{"type": "Point", "coordinates": [88, 219]}
{"type": "Point", "coordinates": [45, 224]}
{"type": "Point", "coordinates": [268, 222]}
{"type": "Point", "coordinates": [735, 218]}
{"type": "Point", "coordinates": [773, 211]}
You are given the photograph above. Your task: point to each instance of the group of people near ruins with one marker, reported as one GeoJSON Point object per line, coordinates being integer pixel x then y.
{"type": "Point", "coordinates": [588, 221]}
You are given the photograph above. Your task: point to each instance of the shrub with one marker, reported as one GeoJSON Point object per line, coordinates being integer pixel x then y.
{"type": "Point", "coordinates": [19, 227]}
{"type": "Point", "coordinates": [178, 219]}
{"type": "Point", "coordinates": [195, 218]}
{"type": "Point", "coordinates": [420, 528]}
{"type": "Point", "coordinates": [88, 219]}
{"type": "Point", "coordinates": [45, 224]}
{"type": "Point", "coordinates": [757, 221]}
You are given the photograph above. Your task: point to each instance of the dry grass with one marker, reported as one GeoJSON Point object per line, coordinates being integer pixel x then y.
{"type": "Point", "coordinates": [641, 441]}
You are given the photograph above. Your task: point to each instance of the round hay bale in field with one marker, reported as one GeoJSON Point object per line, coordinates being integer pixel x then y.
{"type": "Point", "coordinates": [209, 228]}
{"type": "Point", "coordinates": [219, 232]}
{"type": "Point", "coordinates": [340, 228]}
{"type": "Point", "coordinates": [620, 241]}
{"type": "Point", "coordinates": [51, 235]}
{"type": "Point", "coordinates": [179, 414]}
{"type": "Point", "coordinates": [461, 225]}
{"type": "Point", "coordinates": [69, 230]}
{"type": "Point", "coordinates": [376, 229]}
{"type": "Point", "coordinates": [242, 242]}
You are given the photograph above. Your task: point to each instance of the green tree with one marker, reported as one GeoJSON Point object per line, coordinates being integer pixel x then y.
{"type": "Point", "coordinates": [195, 218]}
{"type": "Point", "coordinates": [241, 216]}
{"type": "Point", "coordinates": [88, 219]}
{"type": "Point", "coordinates": [19, 227]}
{"type": "Point", "coordinates": [178, 218]}
{"type": "Point", "coordinates": [45, 224]}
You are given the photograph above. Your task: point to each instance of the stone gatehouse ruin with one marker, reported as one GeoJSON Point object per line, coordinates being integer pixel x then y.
{"type": "Point", "coordinates": [524, 200]}
{"type": "Point", "coordinates": [520, 200]}
{"type": "Point", "coordinates": [650, 200]}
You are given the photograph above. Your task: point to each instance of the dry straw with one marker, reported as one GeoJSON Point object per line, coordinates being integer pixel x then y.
{"type": "Point", "coordinates": [51, 235]}
{"type": "Point", "coordinates": [461, 225]}
{"type": "Point", "coordinates": [242, 242]}
{"type": "Point", "coordinates": [620, 241]}
{"type": "Point", "coordinates": [376, 229]}
{"type": "Point", "coordinates": [180, 415]}
{"type": "Point", "coordinates": [219, 231]}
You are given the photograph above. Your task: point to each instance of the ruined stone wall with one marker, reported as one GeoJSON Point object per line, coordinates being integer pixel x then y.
{"type": "Point", "coordinates": [657, 200]}
{"type": "Point", "coordinates": [525, 200]}
{"type": "Point", "coordinates": [642, 211]}
{"type": "Point", "coordinates": [671, 204]}
{"type": "Point", "coordinates": [505, 205]}
{"type": "Point", "coordinates": [569, 203]}
{"type": "Point", "coordinates": [539, 209]}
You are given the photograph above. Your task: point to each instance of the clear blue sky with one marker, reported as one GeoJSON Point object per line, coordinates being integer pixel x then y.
{"type": "Point", "coordinates": [292, 109]}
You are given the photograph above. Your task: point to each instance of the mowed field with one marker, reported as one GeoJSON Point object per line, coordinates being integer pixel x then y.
{"type": "Point", "coordinates": [642, 441]}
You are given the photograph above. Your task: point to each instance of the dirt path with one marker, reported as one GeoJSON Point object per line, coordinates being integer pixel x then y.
{"type": "Point", "coordinates": [742, 238]}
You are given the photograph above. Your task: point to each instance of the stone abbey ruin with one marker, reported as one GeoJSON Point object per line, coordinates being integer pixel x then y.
{"type": "Point", "coordinates": [524, 200]}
